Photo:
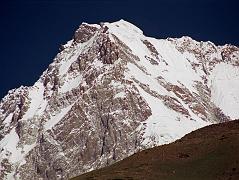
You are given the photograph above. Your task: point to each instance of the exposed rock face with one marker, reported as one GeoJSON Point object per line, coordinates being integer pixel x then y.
{"type": "Point", "coordinates": [84, 33]}
{"type": "Point", "coordinates": [109, 93]}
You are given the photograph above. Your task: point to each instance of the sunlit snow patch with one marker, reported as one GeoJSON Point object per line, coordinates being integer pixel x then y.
{"type": "Point", "coordinates": [224, 81]}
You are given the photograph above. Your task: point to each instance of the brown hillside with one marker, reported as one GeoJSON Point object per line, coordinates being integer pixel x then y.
{"type": "Point", "coordinates": [208, 153]}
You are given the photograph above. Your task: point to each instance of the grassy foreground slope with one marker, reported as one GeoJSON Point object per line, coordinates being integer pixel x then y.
{"type": "Point", "coordinates": [205, 154]}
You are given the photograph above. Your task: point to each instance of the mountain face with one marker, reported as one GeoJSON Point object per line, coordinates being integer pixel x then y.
{"type": "Point", "coordinates": [110, 92]}
{"type": "Point", "coordinates": [207, 153]}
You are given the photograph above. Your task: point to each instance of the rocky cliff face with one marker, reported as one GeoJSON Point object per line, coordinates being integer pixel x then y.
{"type": "Point", "coordinates": [110, 92]}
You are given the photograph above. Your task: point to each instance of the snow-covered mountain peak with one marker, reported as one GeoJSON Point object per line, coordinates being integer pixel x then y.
{"type": "Point", "coordinates": [110, 92]}
{"type": "Point", "coordinates": [124, 27]}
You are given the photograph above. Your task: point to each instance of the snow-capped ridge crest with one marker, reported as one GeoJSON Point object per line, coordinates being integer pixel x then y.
{"type": "Point", "coordinates": [85, 31]}
{"type": "Point", "coordinates": [125, 25]}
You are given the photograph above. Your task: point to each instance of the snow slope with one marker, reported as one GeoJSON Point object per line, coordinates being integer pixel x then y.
{"type": "Point", "coordinates": [225, 89]}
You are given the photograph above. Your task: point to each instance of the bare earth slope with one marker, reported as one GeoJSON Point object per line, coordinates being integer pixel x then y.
{"type": "Point", "coordinates": [110, 92]}
{"type": "Point", "coordinates": [209, 153]}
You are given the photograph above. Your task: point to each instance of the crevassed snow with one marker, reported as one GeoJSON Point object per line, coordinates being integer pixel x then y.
{"type": "Point", "coordinates": [224, 81]}
{"type": "Point", "coordinates": [55, 119]}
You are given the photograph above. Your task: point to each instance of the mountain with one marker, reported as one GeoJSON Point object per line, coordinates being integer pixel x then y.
{"type": "Point", "coordinates": [110, 92]}
{"type": "Point", "coordinates": [208, 153]}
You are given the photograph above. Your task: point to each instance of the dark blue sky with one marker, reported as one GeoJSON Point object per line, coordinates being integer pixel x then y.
{"type": "Point", "coordinates": [32, 31]}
